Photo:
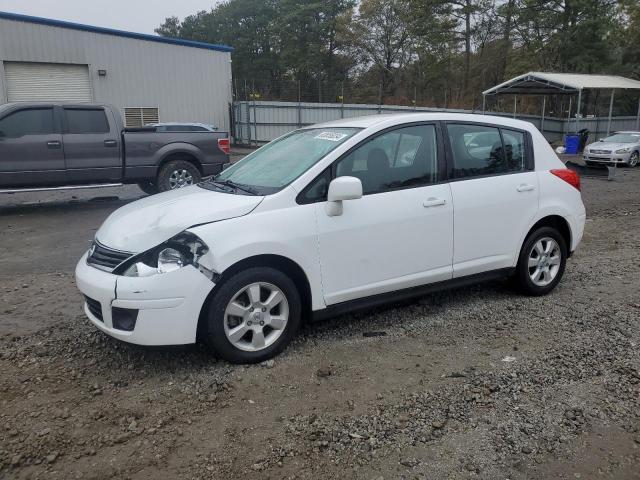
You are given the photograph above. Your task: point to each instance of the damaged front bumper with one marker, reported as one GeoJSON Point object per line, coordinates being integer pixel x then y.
{"type": "Point", "coordinates": [160, 309]}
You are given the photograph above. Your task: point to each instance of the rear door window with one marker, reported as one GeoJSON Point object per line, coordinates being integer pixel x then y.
{"type": "Point", "coordinates": [476, 149]}
{"type": "Point", "coordinates": [481, 150]}
{"type": "Point", "coordinates": [81, 120]}
{"type": "Point", "coordinates": [32, 121]}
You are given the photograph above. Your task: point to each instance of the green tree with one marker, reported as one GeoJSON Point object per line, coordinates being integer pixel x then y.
{"type": "Point", "coordinates": [311, 48]}
{"type": "Point", "coordinates": [434, 52]}
{"type": "Point", "coordinates": [380, 38]}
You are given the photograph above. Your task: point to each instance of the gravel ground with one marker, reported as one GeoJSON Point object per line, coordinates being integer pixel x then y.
{"type": "Point", "coordinates": [477, 382]}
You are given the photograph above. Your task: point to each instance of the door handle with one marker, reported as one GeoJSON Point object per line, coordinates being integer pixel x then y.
{"type": "Point", "coordinates": [54, 144]}
{"type": "Point", "coordinates": [525, 187]}
{"type": "Point", "coordinates": [110, 143]}
{"type": "Point", "coordinates": [433, 202]}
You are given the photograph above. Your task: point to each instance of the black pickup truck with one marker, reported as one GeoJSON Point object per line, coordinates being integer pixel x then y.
{"type": "Point", "coordinates": [53, 146]}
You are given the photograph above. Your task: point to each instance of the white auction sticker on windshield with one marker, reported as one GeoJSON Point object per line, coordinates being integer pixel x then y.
{"type": "Point", "coordinates": [331, 136]}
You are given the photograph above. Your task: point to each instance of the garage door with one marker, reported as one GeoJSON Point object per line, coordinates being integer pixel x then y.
{"type": "Point", "coordinates": [49, 82]}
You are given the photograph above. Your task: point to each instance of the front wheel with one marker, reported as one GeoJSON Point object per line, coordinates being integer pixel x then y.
{"type": "Point", "coordinates": [633, 159]}
{"type": "Point", "coordinates": [177, 174]}
{"type": "Point", "coordinates": [148, 187]}
{"type": "Point", "coordinates": [541, 262]}
{"type": "Point", "coordinates": [253, 316]}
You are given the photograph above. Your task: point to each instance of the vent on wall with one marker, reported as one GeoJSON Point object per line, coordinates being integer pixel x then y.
{"type": "Point", "coordinates": [140, 116]}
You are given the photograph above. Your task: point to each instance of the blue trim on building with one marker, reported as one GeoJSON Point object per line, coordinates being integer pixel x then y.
{"type": "Point", "coordinates": [109, 31]}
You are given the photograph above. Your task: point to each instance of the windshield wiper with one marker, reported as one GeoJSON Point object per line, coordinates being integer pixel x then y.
{"type": "Point", "coordinates": [221, 186]}
{"type": "Point", "coordinates": [238, 186]}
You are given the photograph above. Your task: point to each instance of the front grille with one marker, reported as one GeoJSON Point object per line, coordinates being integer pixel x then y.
{"type": "Point", "coordinates": [105, 258]}
{"type": "Point", "coordinates": [94, 307]}
{"type": "Point", "coordinates": [600, 152]}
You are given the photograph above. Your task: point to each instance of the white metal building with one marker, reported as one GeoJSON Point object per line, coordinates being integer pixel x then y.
{"type": "Point", "coordinates": [149, 78]}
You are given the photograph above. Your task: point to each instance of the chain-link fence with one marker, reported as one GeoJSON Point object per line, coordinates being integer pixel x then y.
{"type": "Point", "coordinates": [351, 91]}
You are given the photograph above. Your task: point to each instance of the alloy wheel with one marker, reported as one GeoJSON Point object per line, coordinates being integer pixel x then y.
{"type": "Point", "coordinates": [180, 178]}
{"type": "Point", "coordinates": [256, 316]}
{"type": "Point", "coordinates": [544, 261]}
{"type": "Point", "coordinates": [633, 159]}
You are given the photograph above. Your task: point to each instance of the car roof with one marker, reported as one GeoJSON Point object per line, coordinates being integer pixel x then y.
{"type": "Point", "coordinates": [401, 118]}
{"type": "Point", "coordinates": [628, 131]}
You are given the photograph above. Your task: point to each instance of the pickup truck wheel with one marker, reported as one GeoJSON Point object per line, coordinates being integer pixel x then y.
{"type": "Point", "coordinates": [253, 316]}
{"type": "Point", "coordinates": [148, 187]}
{"type": "Point", "coordinates": [177, 174]}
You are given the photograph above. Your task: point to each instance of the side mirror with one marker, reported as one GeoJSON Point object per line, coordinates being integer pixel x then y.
{"type": "Point", "coordinates": [340, 189]}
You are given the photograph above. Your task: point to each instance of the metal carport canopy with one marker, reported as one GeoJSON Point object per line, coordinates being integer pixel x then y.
{"type": "Point", "coordinates": [542, 83]}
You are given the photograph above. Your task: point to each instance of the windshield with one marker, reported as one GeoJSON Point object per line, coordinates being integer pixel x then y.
{"type": "Point", "coordinates": [623, 138]}
{"type": "Point", "coordinates": [277, 164]}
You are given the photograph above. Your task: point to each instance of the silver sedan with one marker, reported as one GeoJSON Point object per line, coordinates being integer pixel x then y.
{"type": "Point", "coordinates": [621, 147]}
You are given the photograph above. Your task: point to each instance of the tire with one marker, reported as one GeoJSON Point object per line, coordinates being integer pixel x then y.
{"type": "Point", "coordinates": [548, 276]}
{"type": "Point", "coordinates": [148, 187]}
{"type": "Point", "coordinates": [233, 338]}
{"type": "Point", "coordinates": [177, 174]}
{"type": "Point", "coordinates": [633, 160]}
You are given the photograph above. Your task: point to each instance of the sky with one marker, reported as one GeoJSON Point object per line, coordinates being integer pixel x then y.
{"type": "Point", "coordinates": [140, 16]}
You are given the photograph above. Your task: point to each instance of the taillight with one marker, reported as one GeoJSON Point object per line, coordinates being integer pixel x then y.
{"type": "Point", "coordinates": [569, 176]}
{"type": "Point", "coordinates": [224, 145]}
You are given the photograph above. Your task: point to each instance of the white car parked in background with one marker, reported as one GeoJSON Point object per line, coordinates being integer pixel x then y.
{"type": "Point", "coordinates": [621, 147]}
{"type": "Point", "coordinates": [330, 218]}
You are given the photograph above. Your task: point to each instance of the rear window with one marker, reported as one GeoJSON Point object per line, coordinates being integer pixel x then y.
{"type": "Point", "coordinates": [86, 121]}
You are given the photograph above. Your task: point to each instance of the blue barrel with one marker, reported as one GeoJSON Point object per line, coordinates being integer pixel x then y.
{"type": "Point", "coordinates": [571, 144]}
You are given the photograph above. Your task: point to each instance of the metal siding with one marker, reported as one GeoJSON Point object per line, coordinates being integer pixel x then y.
{"type": "Point", "coordinates": [30, 82]}
{"type": "Point", "coordinates": [263, 121]}
{"type": "Point", "coordinates": [186, 84]}
{"type": "Point", "coordinates": [3, 92]}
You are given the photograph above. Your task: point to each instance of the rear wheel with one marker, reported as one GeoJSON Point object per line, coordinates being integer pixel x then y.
{"type": "Point", "coordinates": [253, 316]}
{"type": "Point", "coordinates": [542, 261]}
{"type": "Point", "coordinates": [177, 174]}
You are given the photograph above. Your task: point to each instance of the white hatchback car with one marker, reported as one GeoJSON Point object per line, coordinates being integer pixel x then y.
{"type": "Point", "coordinates": [330, 218]}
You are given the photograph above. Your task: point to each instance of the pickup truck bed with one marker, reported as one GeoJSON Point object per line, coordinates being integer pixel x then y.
{"type": "Point", "coordinates": [46, 145]}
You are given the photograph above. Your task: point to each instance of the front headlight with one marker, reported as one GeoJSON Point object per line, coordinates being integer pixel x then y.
{"type": "Point", "coordinates": [177, 252]}
{"type": "Point", "coordinates": [170, 259]}
{"type": "Point", "coordinates": [624, 150]}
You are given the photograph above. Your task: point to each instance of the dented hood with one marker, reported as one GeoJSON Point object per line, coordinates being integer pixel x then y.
{"type": "Point", "coordinates": [145, 223]}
